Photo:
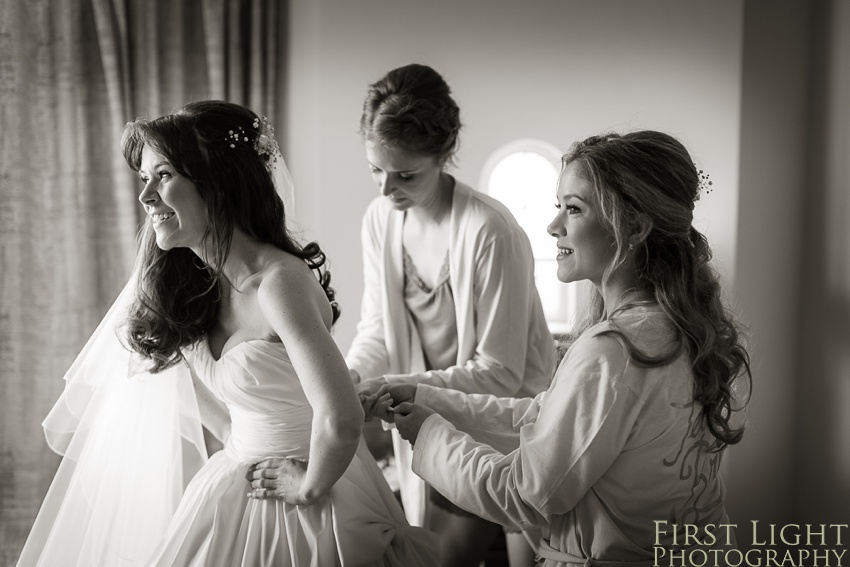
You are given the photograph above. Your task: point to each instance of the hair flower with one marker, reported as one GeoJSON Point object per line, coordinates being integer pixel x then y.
{"type": "Point", "coordinates": [265, 144]}
{"type": "Point", "coordinates": [704, 184]}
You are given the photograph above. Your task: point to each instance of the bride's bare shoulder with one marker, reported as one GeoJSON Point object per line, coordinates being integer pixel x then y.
{"type": "Point", "coordinates": [287, 284]}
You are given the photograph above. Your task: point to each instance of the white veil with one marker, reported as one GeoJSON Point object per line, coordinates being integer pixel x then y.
{"type": "Point", "coordinates": [130, 442]}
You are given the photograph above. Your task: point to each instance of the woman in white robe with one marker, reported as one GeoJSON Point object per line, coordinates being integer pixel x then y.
{"type": "Point", "coordinates": [628, 439]}
{"type": "Point", "coordinates": [449, 296]}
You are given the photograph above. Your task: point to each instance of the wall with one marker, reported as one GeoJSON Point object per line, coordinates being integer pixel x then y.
{"type": "Point", "coordinates": [556, 71]}
{"type": "Point", "coordinates": [822, 466]}
{"type": "Point", "coordinates": [768, 284]}
{"type": "Point", "coordinates": [793, 268]}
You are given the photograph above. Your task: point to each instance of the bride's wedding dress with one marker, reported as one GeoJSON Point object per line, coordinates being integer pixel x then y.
{"type": "Point", "coordinates": [132, 441]}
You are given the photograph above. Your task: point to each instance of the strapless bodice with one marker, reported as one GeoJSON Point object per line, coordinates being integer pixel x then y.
{"type": "Point", "coordinates": [269, 411]}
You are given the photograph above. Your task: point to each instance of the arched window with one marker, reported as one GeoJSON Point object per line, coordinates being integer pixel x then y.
{"type": "Point", "coordinates": [523, 175]}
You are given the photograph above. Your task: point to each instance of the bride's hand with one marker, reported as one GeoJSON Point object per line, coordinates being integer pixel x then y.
{"type": "Point", "coordinates": [281, 479]}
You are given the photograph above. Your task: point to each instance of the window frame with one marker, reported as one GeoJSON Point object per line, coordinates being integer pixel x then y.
{"type": "Point", "coordinates": [568, 296]}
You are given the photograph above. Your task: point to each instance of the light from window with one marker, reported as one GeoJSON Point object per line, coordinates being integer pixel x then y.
{"type": "Point", "coordinates": [523, 175]}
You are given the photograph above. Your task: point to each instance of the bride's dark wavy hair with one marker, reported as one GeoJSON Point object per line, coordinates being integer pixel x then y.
{"type": "Point", "coordinates": [178, 293]}
{"type": "Point", "coordinates": [646, 185]}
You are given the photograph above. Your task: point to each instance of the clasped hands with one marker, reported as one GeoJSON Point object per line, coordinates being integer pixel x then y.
{"type": "Point", "coordinates": [393, 403]}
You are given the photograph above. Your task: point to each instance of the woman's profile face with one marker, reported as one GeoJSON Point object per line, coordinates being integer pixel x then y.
{"type": "Point", "coordinates": [172, 202]}
{"type": "Point", "coordinates": [405, 178]}
{"type": "Point", "coordinates": [585, 247]}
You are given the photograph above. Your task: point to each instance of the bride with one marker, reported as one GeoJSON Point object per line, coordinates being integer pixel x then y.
{"type": "Point", "coordinates": [226, 323]}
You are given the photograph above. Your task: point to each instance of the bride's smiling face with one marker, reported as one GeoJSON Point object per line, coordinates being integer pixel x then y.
{"type": "Point", "coordinates": [172, 202]}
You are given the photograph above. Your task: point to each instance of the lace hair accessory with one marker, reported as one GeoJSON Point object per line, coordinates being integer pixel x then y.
{"type": "Point", "coordinates": [268, 149]}
{"type": "Point", "coordinates": [264, 143]}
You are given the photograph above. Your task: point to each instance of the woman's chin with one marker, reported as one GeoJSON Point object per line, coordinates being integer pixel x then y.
{"type": "Point", "coordinates": [567, 277]}
{"type": "Point", "coordinates": [164, 243]}
{"type": "Point", "coordinates": [400, 204]}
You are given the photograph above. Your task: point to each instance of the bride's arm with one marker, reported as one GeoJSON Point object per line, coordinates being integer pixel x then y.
{"type": "Point", "coordinates": [298, 311]}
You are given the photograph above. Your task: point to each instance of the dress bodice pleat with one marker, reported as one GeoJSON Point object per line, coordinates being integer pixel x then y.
{"type": "Point", "coordinates": [269, 411]}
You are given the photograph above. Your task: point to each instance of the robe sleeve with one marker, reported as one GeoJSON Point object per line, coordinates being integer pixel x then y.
{"type": "Point", "coordinates": [488, 419]}
{"type": "Point", "coordinates": [368, 352]}
{"type": "Point", "coordinates": [582, 426]}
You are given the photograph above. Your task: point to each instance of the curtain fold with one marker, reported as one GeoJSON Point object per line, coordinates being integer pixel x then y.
{"type": "Point", "coordinates": [72, 73]}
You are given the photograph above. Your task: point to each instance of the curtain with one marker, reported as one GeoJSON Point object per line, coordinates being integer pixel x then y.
{"type": "Point", "coordinates": [72, 73]}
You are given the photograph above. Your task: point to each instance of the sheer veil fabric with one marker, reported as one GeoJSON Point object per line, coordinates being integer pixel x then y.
{"type": "Point", "coordinates": [131, 441]}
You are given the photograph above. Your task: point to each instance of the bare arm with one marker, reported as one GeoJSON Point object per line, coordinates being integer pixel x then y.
{"type": "Point", "coordinates": [298, 311]}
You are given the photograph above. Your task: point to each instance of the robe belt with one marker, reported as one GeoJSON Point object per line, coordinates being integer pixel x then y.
{"type": "Point", "coordinates": [546, 551]}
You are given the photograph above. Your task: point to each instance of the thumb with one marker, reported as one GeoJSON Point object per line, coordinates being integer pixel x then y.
{"type": "Point", "coordinates": [404, 408]}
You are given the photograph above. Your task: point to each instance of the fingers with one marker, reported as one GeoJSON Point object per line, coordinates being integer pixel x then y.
{"type": "Point", "coordinates": [406, 429]}
{"type": "Point", "coordinates": [383, 408]}
{"type": "Point", "coordinates": [400, 392]}
{"type": "Point", "coordinates": [270, 463]}
{"type": "Point", "coordinates": [262, 494]}
{"type": "Point", "coordinates": [371, 386]}
{"type": "Point", "coordinates": [262, 473]}
{"type": "Point", "coordinates": [255, 473]}
{"type": "Point", "coordinates": [402, 409]}
{"type": "Point", "coordinates": [409, 419]}
{"type": "Point", "coordinates": [377, 406]}
{"type": "Point", "coordinates": [367, 402]}
{"type": "Point", "coordinates": [264, 483]}
{"type": "Point", "coordinates": [273, 468]}
{"type": "Point", "coordinates": [366, 388]}
{"type": "Point", "coordinates": [384, 401]}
